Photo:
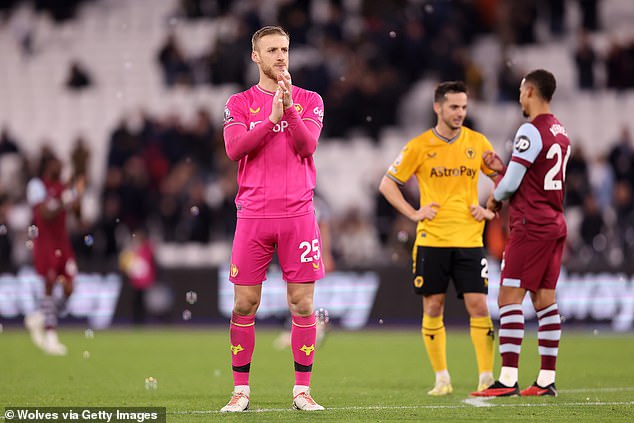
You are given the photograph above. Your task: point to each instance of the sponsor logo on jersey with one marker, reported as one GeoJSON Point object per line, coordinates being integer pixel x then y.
{"type": "Point", "coordinates": [299, 108]}
{"type": "Point", "coordinates": [315, 266]}
{"type": "Point", "coordinates": [307, 350]}
{"type": "Point", "coordinates": [235, 349]}
{"type": "Point", "coordinates": [441, 171]}
{"type": "Point", "coordinates": [278, 127]}
{"type": "Point", "coordinates": [320, 113]}
{"type": "Point", "coordinates": [522, 143]}
{"type": "Point", "coordinates": [233, 270]}
{"type": "Point", "coordinates": [470, 152]}
{"type": "Point", "coordinates": [228, 117]}
{"type": "Point", "coordinates": [254, 111]}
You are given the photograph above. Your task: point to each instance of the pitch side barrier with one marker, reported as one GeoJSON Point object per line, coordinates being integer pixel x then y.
{"type": "Point", "coordinates": [354, 298]}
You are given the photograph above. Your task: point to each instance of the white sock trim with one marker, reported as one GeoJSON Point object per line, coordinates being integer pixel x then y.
{"type": "Point", "coordinates": [545, 378]}
{"type": "Point", "coordinates": [509, 375]}
{"type": "Point", "coordinates": [443, 375]}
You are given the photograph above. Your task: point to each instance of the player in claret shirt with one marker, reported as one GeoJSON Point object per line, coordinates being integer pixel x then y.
{"type": "Point", "coordinates": [53, 257]}
{"type": "Point", "coordinates": [272, 130]}
{"type": "Point", "coordinates": [534, 183]}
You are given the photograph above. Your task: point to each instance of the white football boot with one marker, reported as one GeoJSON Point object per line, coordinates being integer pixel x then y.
{"type": "Point", "coordinates": [52, 346]}
{"type": "Point", "coordinates": [34, 322]}
{"type": "Point", "coordinates": [303, 401]}
{"type": "Point", "coordinates": [239, 400]}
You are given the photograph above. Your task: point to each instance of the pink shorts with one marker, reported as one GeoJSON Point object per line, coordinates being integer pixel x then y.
{"type": "Point", "coordinates": [298, 249]}
{"type": "Point", "coordinates": [532, 264]}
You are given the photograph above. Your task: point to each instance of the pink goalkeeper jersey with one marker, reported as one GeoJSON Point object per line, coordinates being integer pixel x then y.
{"type": "Point", "coordinates": [276, 171]}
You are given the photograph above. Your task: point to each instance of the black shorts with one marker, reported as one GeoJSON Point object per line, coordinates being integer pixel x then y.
{"type": "Point", "coordinates": [434, 266]}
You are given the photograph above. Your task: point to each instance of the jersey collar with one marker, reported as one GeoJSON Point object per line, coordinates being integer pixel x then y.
{"type": "Point", "coordinates": [445, 139]}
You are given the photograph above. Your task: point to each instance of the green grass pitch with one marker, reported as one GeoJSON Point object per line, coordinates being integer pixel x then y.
{"type": "Point", "coordinates": [371, 375]}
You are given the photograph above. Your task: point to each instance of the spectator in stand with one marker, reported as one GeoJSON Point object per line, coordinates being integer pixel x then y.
{"type": "Point", "coordinates": [601, 178]}
{"type": "Point", "coordinates": [621, 157]}
{"type": "Point", "coordinates": [592, 223]}
{"type": "Point", "coordinates": [78, 77]}
{"type": "Point", "coordinates": [8, 144]}
{"type": "Point", "coordinates": [556, 9]}
{"type": "Point", "coordinates": [223, 65]}
{"type": "Point", "coordinates": [138, 264]}
{"type": "Point", "coordinates": [6, 242]}
{"type": "Point", "coordinates": [577, 181]}
{"type": "Point", "coordinates": [585, 58]}
{"type": "Point", "coordinates": [80, 156]}
{"type": "Point", "coordinates": [590, 14]}
{"type": "Point", "coordinates": [624, 207]}
{"type": "Point", "coordinates": [197, 216]}
{"type": "Point", "coordinates": [176, 69]}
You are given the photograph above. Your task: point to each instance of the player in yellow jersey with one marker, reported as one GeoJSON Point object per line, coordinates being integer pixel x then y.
{"type": "Point", "coordinates": [446, 161]}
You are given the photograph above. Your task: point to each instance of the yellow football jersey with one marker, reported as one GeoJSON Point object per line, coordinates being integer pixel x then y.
{"type": "Point", "coordinates": [447, 172]}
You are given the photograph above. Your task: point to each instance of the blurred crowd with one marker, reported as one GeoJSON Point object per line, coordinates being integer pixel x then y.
{"type": "Point", "coordinates": [172, 176]}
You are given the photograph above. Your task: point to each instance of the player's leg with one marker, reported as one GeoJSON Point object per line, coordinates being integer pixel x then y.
{"type": "Point", "coordinates": [524, 266]}
{"type": "Point", "coordinates": [431, 279]}
{"type": "Point", "coordinates": [251, 255]}
{"type": "Point", "coordinates": [51, 343]}
{"type": "Point", "coordinates": [35, 321]}
{"type": "Point", "coordinates": [482, 337]}
{"type": "Point", "coordinates": [470, 274]}
{"type": "Point", "coordinates": [435, 339]}
{"type": "Point", "coordinates": [303, 339]}
{"type": "Point", "coordinates": [54, 307]}
{"type": "Point", "coordinates": [549, 332]}
{"type": "Point", "coordinates": [299, 253]}
{"type": "Point", "coordinates": [511, 335]}
{"type": "Point", "coordinates": [67, 280]}
{"type": "Point", "coordinates": [548, 336]}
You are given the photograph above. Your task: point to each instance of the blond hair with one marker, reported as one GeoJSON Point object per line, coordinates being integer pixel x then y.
{"type": "Point", "coordinates": [268, 30]}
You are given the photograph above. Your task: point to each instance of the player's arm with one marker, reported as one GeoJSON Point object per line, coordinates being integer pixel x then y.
{"type": "Point", "coordinates": [304, 134]}
{"type": "Point", "coordinates": [303, 130]}
{"type": "Point", "coordinates": [480, 213]}
{"type": "Point", "coordinates": [36, 196]}
{"type": "Point", "coordinates": [392, 193]}
{"type": "Point", "coordinates": [239, 140]}
{"type": "Point", "coordinates": [510, 182]}
{"type": "Point", "coordinates": [73, 195]}
{"type": "Point", "coordinates": [526, 148]}
{"type": "Point", "coordinates": [494, 162]}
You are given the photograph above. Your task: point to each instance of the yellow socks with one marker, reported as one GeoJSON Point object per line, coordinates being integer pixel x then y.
{"type": "Point", "coordinates": [482, 336]}
{"type": "Point", "coordinates": [435, 339]}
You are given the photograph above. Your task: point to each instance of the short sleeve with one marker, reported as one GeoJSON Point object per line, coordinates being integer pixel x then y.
{"type": "Point", "coordinates": [527, 145]}
{"type": "Point", "coordinates": [35, 192]}
{"type": "Point", "coordinates": [404, 166]}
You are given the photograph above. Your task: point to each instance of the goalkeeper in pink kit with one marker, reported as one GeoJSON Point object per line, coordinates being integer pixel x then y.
{"type": "Point", "coordinates": [272, 130]}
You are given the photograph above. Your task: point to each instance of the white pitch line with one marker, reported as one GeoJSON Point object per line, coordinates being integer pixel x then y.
{"type": "Point", "coordinates": [417, 407]}
{"type": "Point", "coordinates": [479, 402]}
{"type": "Point", "coordinates": [620, 389]}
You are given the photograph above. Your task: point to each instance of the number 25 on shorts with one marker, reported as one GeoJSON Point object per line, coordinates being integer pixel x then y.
{"type": "Point", "coordinates": [310, 247]}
